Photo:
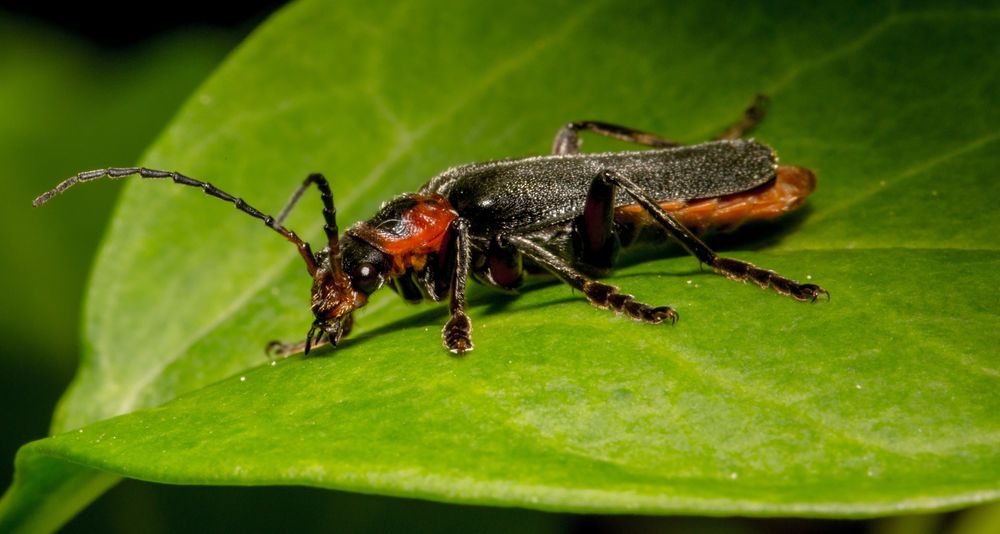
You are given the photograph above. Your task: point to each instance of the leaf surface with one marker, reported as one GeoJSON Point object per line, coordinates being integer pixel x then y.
{"type": "Point", "coordinates": [881, 400]}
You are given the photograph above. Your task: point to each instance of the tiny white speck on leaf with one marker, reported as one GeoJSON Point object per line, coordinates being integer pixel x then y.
{"type": "Point", "coordinates": [734, 476]}
{"type": "Point", "coordinates": [243, 379]}
{"type": "Point", "coordinates": [857, 386]}
{"type": "Point", "coordinates": [274, 362]}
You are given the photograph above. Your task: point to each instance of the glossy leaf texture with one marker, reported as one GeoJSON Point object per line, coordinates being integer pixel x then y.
{"type": "Point", "coordinates": [881, 400]}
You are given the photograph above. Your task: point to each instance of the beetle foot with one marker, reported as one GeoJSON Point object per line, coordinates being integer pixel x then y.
{"type": "Point", "coordinates": [599, 294]}
{"type": "Point", "coordinates": [809, 292]}
{"type": "Point", "coordinates": [663, 313]}
{"type": "Point", "coordinates": [607, 296]}
{"type": "Point", "coordinates": [457, 334]}
{"type": "Point", "coordinates": [745, 271]}
{"type": "Point", "coordinates": [800, 292]}
{"type": "Point", "coordinates": [283, 349]}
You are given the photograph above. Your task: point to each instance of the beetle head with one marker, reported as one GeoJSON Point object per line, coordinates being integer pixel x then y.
{"type": "Point", "coordinates": [345, 277]}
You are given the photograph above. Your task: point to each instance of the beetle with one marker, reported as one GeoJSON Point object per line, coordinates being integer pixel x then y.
{"type": "Point", "coordinates": [568, 213]}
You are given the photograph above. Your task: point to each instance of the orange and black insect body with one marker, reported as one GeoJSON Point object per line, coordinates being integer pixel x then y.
{"type": "Point", "coordinates": [567, 213]}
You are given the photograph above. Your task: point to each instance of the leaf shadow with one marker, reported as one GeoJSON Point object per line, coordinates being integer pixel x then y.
{"type": "Point", "coordinates": [753, 236]}
{"type": "Point", "coordinates": [490, 302]}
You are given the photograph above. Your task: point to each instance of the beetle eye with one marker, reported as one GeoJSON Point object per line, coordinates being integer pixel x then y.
{"type": "Point", "coordinates": [366, 277]}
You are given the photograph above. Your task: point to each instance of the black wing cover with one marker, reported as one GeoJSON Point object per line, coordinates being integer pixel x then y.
{"type": "Point", "coordinates": [531, 193]}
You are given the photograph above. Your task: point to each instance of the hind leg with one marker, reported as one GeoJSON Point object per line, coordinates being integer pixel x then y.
{"type": "Point", "coordinates": [567, 140]}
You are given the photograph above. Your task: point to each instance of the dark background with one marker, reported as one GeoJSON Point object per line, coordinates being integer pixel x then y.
{"type": "Point", "coordinates": [85, 86]}
{"type": "Point", "coordinates": [112, 25]}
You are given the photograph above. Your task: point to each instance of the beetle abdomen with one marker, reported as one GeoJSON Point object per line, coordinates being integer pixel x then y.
{"type": "Point", "coordinates": [779, 196]}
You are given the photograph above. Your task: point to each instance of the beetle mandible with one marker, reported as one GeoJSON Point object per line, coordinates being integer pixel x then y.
{"type": "Point", "coordinates": [567, 213]}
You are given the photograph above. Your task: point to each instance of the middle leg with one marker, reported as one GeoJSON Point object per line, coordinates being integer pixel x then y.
{"type": "Point", "coordinates": [598, 293]}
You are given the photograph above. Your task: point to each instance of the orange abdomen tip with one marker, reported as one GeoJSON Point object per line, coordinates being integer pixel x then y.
{"type": "Point", "coordinates": [785, 193]}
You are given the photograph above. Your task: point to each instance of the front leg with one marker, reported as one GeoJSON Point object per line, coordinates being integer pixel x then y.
{"type": "Point", "coordinates": [457, 332]}
{"type": "Point", "coordinates": [284, 349]}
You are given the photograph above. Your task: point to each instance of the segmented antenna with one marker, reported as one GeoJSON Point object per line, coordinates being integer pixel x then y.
{"type": "Point", "coordinates": [116, 173]}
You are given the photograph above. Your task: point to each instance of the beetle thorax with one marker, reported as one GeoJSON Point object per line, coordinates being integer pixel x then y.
{"type": "Point", "coordinates": [407, 229]}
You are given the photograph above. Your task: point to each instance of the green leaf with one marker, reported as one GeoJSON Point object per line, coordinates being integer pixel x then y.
{"type": "Point", "coordinates": [65, 103]}
{"type": "Point", "coordinates": [881, 400]}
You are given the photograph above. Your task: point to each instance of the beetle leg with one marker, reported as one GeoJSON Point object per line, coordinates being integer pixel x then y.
{"type": "Point", "coordinates": [285, 349]}
{"type": "Point", "coordinates": [457, 332]}
{"type": "Point", "coordinates": [567, 140]}
{"type": "Point", "coordinates": [499, 267]}
{"type": "Point", "coordinates": [599, 294]}
{"type": "Point", "coordinates": [407, 288]}
{"type": "Point", "coordinates": [593, 231]}
{"type": "Point", "coordinates": [750, 119]}
{"type": "Point", "coordinates": [729, 267]}
{"type": "Point", "coordinates": [436, 277]}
